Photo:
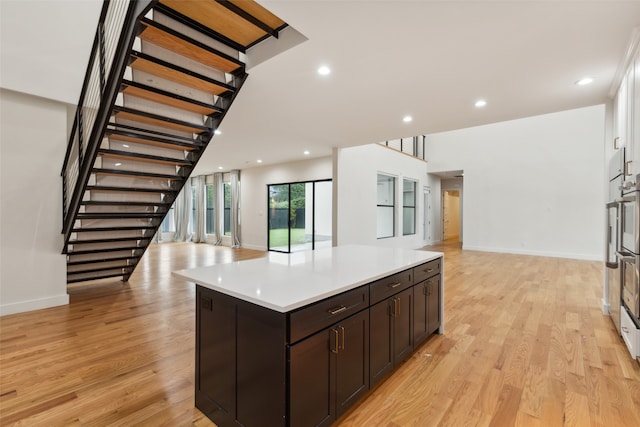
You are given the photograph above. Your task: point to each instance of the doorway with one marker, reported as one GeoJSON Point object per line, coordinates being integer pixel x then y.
{"type": "Point", "coordinates": [451, 215]}
{"type": "Point", "coordinates": [299, 216]}
{"type": "Point", "coordinates": [428, 216]}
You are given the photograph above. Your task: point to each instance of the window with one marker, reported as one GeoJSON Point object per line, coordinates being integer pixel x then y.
{"type": "Point", "coordinates": [386, 206]}
{"type": "Point", "coordinates": [210, 200]}
{"type": "Point", "coordinates": [227, 209]}
{"type": "Point", "coordinates": [168, 224]}
{"type": "Point", "coordinates": [408, 207]}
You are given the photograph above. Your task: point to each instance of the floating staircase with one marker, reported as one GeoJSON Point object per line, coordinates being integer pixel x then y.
{"type": "Point", "coordinates": [157, 88]}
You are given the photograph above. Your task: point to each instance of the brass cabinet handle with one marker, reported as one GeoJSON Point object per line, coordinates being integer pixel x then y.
{"type": "Point", "coordinates": [429, 270]}
{"type": "Point", "coordinates": [397, 300]}
{"type": "Point", "coordinates": [616, 143]}
{"type": "Point", "coordinates": [627, 170]}
{"type": "Point", "coordinates": [625, 329]}
{"type": "Point", "coordinates": [342, 340]}
{"type": "Point", "coordinates": [334, 349]}
{"type": "Point", "coordinates": [394, 285]}
{"type": "Point", "coordinates": [392, 307]}
{"type": "Point", "coordinates": [337, 310]}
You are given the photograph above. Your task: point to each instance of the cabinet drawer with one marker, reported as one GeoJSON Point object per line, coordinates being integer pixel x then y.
{"type": "Point", "coordinates": [424, 271]}
{"type": "Point", "coordinates": [630, 333]}
{"type": "Point", "coordinates": [313, 318]}
{"type": "Point", "coordinates": [384, 288]}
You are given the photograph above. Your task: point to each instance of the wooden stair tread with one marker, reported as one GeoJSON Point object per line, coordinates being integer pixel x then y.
{"type": "Point", "coordinates": [107, 240]}
{"type": "Point", "coordinates": [102, 250]}
{"type": "Point", "coordinates": [145, 159]}
{"type": "Point", "coordinates": [152, 142]}
{"type": "Point", "coordinates": [167, 100]}
{"type": "Point", "coordinates": [188, 79]}
{"type": "Point", "coordinates": [226, 22]}
{"type": "Point", "coordinates": [147, 175]}
{"type": "Point", "coordinates": [125, 115]}
{"type": "Point", "coordinates": [128, 189]}
{"type": "Point", "coordinates": [187, 49]}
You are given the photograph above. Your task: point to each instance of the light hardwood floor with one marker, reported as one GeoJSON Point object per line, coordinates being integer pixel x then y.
{"type": "Point", "coordinates": [525, 344]}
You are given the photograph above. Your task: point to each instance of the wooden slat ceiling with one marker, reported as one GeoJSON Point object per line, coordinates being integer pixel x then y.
{"type": "Point", "coordinates": [222, 20]}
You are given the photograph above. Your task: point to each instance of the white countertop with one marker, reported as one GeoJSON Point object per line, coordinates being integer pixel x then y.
{"type": "Point", "coordinates": [284, 282]}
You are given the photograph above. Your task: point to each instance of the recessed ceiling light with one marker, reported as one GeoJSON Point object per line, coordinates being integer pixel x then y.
{"type": "Point", "coordinates": [584, 81]}
{"type": "Point", "coordinates": [480, 103]}
{"type": "Point", "coordinates": [220, 167]}
{"type": "Point", "coordinates": [259, 160]}
{"type": "Point", "coordinates": [307, 152]}
{"type": "Point", "coordinates": [217, 132]}
{"type": "Point", "coordinates": [118, 164]}
{"type": "Point", "coordinates": [125, 145]}
{"type": "Point", "coordinates": [324, 70]}
{"type": "Point", "coordinates": [407, 119]}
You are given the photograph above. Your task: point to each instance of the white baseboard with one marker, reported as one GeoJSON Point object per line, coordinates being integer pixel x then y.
{"type": "Point", "coordinates": [36, 304]}
{"type": "Point", "coordinates": [586, 257]}
{"type": "Point", "coordinates": [255, 247]}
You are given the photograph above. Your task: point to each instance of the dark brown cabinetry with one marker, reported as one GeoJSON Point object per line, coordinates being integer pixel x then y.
{"type": "Point", "coordinates": [329, 371]}
{"type": "Point", "coordinates": [426, 311]}
{"type": "Point", "coordinates": [256, 366]}
{"type": "Point", "coordinates": [426, 298]}
{"type": "Point", "coordinates": [391, 333]}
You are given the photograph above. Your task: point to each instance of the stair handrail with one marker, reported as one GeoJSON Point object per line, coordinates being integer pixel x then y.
{"type": "Point", "coordinates": [116, 32]}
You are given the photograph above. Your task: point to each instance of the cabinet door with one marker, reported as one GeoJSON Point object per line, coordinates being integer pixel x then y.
{"type": "Point", "coordinates": [403, 326]}
{"type": "Point", "coordinates": [216, 353]}
{"type": "Point", "coordinates": [352, 361]}
{"type": "Point", "coordinates": [433, 304]}
{"type": "Point", "coordinates": [634, 167]}
{"type": "Point", "coordinates": [312, 396]}
{"type": "Point", "coordinates": [420, 318]}
{"type": "Point", "coordinates": [381, 356]}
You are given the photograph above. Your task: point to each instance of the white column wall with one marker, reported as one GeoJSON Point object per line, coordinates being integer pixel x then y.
{"type": "Point", "coordinates": [33, 141]}
{"type": "Point", "coordinates": [356, 185]}
{"type": "Point", "coordinates": [253, 199]}
{"type": "Point", "coordinates": [531, 186]}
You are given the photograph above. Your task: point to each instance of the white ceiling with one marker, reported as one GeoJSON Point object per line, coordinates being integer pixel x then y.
{"type": "Point", "coordinates": [429, 59]}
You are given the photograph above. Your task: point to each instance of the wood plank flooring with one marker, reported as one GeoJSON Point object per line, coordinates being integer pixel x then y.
{"type": "Point", "coordinates": [525, 344]}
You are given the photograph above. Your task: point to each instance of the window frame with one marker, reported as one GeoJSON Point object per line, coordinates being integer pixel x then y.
{"type": "Point", "coordinates": [385, 206]}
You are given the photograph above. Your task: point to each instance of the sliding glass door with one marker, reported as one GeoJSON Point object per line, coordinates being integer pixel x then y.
{"type": "Point", "coordinates": [299, 216]}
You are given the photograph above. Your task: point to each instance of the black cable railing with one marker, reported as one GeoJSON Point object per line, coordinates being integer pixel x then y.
{"type": "Point", "coordinates": [114, 36]}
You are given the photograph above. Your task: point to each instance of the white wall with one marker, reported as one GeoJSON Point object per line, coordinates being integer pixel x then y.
{"type": "Point", "coordinates": [355, 191]}
{"type": "Point", "coordinates": [531, 186]}
{"type": "Point", "coordinates": [253, 199]}
{"type": "Point", "coordinates": [33, 141]}
{"type": "Point", "coordinates": [51, 35]}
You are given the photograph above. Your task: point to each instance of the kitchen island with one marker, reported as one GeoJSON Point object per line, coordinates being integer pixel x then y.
{"type": "Point", "coordinates": [297, 339]}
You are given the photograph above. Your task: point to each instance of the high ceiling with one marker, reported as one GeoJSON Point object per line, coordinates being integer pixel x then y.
{"type": "Point", "coordinates": [428, 59]}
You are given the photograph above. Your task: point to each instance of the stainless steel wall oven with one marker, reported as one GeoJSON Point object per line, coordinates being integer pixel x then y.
{"type": "Point", "coordinates": [629, 253]}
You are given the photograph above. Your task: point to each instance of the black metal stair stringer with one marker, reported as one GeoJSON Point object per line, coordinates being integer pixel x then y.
{"type": "Point", "coordinates": [121, 208]}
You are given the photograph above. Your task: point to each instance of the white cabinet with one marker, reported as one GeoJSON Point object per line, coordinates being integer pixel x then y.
{"type": "Point", "coordinates": [627, 118]}
{"type": "Point", "coordinates": [633, 96]}
{"type": "Point", "coordinates": [630, 333]}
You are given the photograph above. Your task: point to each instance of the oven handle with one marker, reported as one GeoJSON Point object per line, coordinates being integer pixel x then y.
{"type": "Point", "coordinates": [626, 256]}
{"type": "Point", "coordinates": [625, 199]}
